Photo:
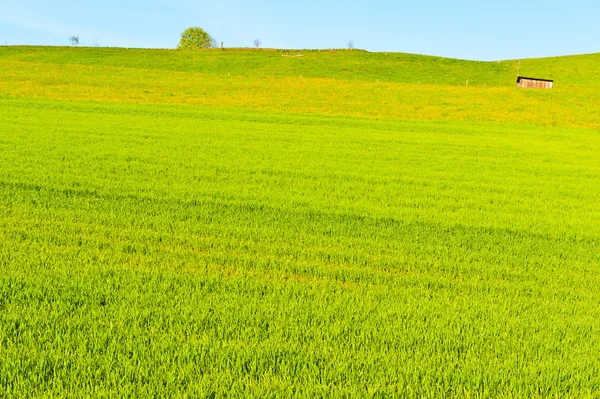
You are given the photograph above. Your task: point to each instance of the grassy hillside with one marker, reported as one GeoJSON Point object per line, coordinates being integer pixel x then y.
{"type": "Point", "coordinates": [569, 71]}
{"type": "Point", "coordinates": [343, 64]}
{"type": "Point", "coordinates": [264, 80]}
{"type": "Point", "coordinates": [171, 231]}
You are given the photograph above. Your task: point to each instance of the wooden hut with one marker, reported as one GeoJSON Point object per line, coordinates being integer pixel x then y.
{"type": "Point", "coordinates": [534, 83]}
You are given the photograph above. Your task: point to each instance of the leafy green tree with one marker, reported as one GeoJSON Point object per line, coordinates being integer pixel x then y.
{"type": "Point", "coordinates": [195, 38]}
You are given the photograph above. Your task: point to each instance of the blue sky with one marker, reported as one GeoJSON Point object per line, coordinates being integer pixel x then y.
{"type": "Point", "coordinates": [484, 30]}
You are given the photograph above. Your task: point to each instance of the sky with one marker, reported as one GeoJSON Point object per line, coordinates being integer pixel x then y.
{"type": "Point", "coordinates": [468, 29]}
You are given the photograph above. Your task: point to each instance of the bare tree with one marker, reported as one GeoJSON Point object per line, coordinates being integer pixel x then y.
{"type": "Point", "coordinates": [257, 43]}
{"type": "Point", "coordinates": [74, 40]}
{"type": "Point", "coordinates": [350, 45]}
{"type": "Point", "coordinates": [96, 42]}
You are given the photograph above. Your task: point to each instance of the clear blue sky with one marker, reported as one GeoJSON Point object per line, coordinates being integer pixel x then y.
{"type": "Point", "coordinates": [470, 29]}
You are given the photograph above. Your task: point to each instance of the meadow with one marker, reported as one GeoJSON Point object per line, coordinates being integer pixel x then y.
{"type": "Point", "coordinates": [213, 224]}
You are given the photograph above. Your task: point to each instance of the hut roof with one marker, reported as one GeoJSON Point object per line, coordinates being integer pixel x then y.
{"type": "Point", "coordinates": [538, 79]}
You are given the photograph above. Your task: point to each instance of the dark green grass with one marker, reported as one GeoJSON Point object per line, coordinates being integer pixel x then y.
{"type": "Point", "coordinates": [580, 70]}
{"type": "Point", "coordinates": [353, 65]}
{"type": "Point", "coordinates": [167, 251]}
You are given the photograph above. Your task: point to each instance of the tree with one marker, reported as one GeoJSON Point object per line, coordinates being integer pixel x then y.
{"type": "Point", "coordinates": [256, 43]}
{"type": "Point", "coordinates": [74, 40]}
{"type": "Point", "coordinates": [195, 38]}
{"type": "Point", "coordinates": [350, 45]}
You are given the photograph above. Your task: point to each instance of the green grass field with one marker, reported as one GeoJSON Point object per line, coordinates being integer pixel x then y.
{"type": "Point", "coordinates": [213, 224]}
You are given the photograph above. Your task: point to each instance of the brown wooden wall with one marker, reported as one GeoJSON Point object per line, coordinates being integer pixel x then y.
{"type": "Point", "coordinates": [534, 84]}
